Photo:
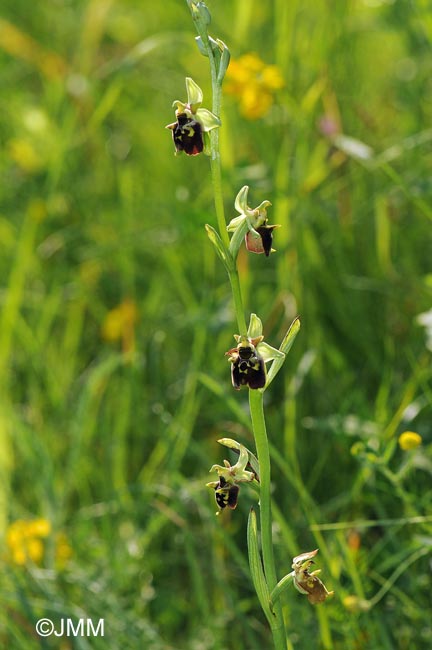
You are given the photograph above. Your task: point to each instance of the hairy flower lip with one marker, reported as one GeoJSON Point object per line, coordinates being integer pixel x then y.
{"type": "Point", "coordinates": [307, 582]}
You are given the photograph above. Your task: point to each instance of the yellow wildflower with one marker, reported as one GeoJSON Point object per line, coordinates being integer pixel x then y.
{"type": "Point", "coordinates": [254, 83]}
{"type": "Point", "coordinates": [38, 528]}
{"type": "Point", "coordinates": [24, 540]}
{"type": "Point", "coordinates": [409, 440]}
{"type": "Point", "coordinates": [119, 324]}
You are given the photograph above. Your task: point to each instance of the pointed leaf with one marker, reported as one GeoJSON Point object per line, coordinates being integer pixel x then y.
{"type": "Point", "coordinates": [285, 347]}
{"type": "Point", "coordinates": [256, 567]}
{"type": "Point", "coordinates": [220, 248]}
{"type": "Point", "coordinates": [224, 60]}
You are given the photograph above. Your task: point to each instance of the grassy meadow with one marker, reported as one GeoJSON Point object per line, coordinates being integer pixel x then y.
{"type": "Point", "coordinates": [115, 314]}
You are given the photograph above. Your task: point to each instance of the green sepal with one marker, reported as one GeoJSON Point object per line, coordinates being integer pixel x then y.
{"type": "Point", "coordinates": [256, 567]}
{"type": "Point", "coordinates": [284, 347]}
{"type": "Point", "coordinates": [207, 119]}
{"type": "Point", "coordinates": [194, 94]}
{"type": "Point", "coordinates": [221, 250]}
{"type": "Point", "coordinates": [236, 222]}
{"type": "Point", "coordinates": [240, 202]}
{"type": "Point", "coordinates": [255, 327]}
{"type": "Point", "coordinates": [281, 586]}
{"type": "Point", "coordinates": [269, 353]}
{"type": "Point", "coordinates": [236, 446]}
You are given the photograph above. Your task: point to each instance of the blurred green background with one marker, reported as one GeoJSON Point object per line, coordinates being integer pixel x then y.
{"type": "Point", "coordinates": [115, 316]}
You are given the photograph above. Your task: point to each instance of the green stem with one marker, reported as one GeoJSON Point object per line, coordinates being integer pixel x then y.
{"type": "Point", "coordinates": [263, 453]}
{"type": "Point", "coordinates": [216, 172]}
{"type": "Point", "coordinates": [238, 302]}
{"type": "Point", "coordinates": [215, 166]}
{"type": "Point", "coordinates": [255, 397]}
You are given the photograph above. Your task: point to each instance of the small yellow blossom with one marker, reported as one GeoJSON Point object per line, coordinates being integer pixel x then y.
{"type": "Point", "coordinates": [409, 440]}
{"type": "Point", "coordinates": [38, 528]}
{"type": "Point", "coordinates": [120, 323]}
{"type": "Point", "coordinates": [24, 540]}
{"type": "Point", "coordinates": [254, 83]}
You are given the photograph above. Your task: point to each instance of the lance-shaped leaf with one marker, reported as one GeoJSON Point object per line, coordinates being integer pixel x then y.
{"type": "Point", "coordinates": [220, 248]}
{"type": "Point", "coordinates": [256, 567]}
{"type": "Point", "coordinates": [284, 347]}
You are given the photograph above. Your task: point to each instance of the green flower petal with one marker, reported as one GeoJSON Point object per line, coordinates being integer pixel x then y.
{"type": "Point", "coordinates": [207, 119]}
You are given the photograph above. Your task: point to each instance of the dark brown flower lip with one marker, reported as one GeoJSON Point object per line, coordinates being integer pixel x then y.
{"type": "Point", "coordinates": [187, 135]}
